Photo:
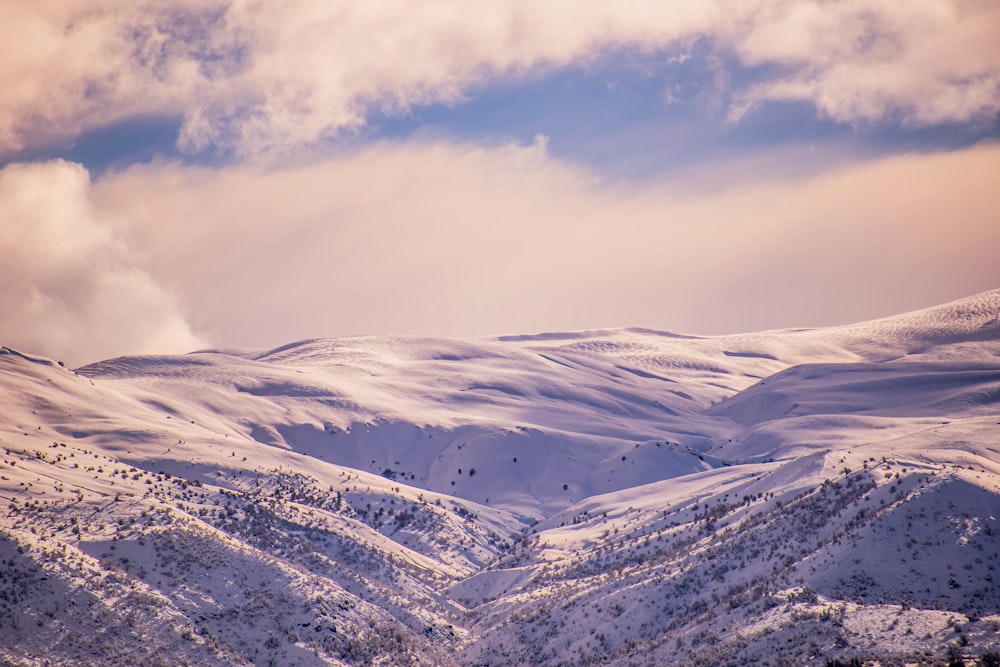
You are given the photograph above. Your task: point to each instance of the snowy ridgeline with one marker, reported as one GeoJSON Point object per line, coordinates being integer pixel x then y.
{"type": "Point", "coordinates": [605, 497]}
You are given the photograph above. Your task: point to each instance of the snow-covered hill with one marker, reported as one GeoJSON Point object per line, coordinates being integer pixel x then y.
{"type": "Point", "coordinates": [602, 497]}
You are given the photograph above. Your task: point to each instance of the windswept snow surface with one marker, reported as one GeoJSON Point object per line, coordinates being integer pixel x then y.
{"type": "Point", "coordinates": [610, 497]}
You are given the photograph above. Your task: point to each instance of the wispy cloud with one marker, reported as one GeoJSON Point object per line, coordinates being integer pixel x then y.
{"type": "Point", "coordinates": [461, 240]}
{"type": "Point", "coordinates": [259, 75]}
{"type": "Point", "coordinates": [286, 238]}
{"type": "Point", "coordinates": [68, 286]}
{"type": "Point", "coordinates": [926, 62]}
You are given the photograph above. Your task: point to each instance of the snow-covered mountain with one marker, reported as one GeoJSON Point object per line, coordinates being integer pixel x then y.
{"type": "Point", "coordinates": [602, 497]}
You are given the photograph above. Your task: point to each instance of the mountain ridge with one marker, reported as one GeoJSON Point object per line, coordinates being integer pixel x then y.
{"type": "Point", "coordinates": [601, 497]}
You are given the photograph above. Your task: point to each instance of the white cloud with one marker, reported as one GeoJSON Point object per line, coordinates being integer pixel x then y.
{"type": "Point", "coordinates": [70, 65]}
{"type": "Point", "coordinates": [68, 288]}
{"type": "Point", "coordinates": [446, 239]}
{"type": "Point", "coordinates": [259, 75]}
{"type": "Point", "coordinates": [462, 240]}
{"type": "Point", "coordinates": [927, 61]}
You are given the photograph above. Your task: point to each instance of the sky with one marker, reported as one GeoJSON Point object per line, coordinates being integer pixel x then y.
{"type": "Point", "coordinates": [184, 174]}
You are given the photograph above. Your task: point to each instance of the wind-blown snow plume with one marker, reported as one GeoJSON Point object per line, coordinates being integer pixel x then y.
{"type": "Point", "coordinates": [68, 287]}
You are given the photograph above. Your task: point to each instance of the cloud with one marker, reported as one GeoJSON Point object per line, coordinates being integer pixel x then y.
{"type": "Point", "coordinates": [68, 287]}
{"type": "Point", "coordinates": [464, 239]}
{"type": "Point", "coordinates": [74, 65]}
{"type": "Point", "coordinates": [458, 239]}
{"type": "Point", "coordinates": [261, 75]}
{"type": "Point", "coordinates": [927, 62]}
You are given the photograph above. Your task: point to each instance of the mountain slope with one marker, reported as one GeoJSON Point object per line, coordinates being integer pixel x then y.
{"type": "Point", "coordinates": [604, 497]}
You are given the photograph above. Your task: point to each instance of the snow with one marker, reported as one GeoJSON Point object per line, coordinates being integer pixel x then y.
{"type": "Point", "coordinates": [610, 496]}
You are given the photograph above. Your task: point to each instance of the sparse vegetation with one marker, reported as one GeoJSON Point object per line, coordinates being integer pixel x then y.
{"type": "Point", "coordinates": [242, 520]}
